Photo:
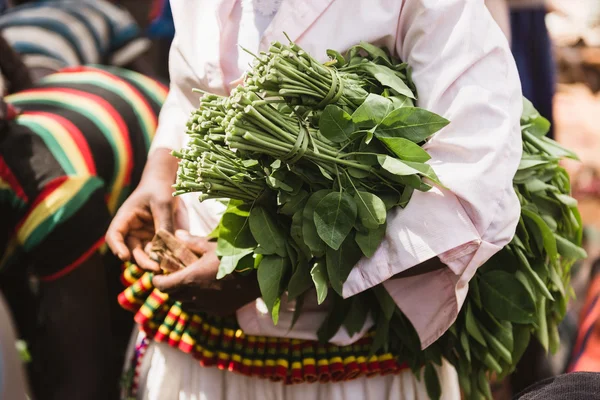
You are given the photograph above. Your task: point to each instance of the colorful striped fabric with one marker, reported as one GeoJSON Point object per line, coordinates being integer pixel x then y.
{"type": "Point", "coordinates": [219, 342]}
{"type": "Point", "coordinates": [586, 353]}
{"type": "Point", "coordinates": [70, 33]}
{"type": "Point", "coordinates": [69, 160]}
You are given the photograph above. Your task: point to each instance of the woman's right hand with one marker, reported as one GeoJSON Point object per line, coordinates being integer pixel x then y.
{"type": "Point", "coordinates": [149, 208]}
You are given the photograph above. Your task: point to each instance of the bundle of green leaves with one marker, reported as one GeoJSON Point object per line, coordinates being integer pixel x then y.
{"type": "Point", "coordinates": [309, 158]}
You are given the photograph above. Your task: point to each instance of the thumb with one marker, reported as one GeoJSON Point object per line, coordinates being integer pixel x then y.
{"type": "Point", "coordinates": [197, 244]}
{"type": "Point", "coordinates": [162, 213]}
{"type": "Point", "coordinates": [169, 283]}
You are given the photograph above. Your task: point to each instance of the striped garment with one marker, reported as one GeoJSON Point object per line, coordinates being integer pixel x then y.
{"type": "Point", "coordinates": [69, 160]}
{"type": "Point", "coordinates": [56, 34]}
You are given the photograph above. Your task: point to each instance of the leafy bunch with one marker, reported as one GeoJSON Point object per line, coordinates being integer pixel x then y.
{"type": "Point", "coordinates": [310, 158]}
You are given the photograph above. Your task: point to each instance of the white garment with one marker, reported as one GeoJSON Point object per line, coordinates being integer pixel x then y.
{"type": "Point", "coordinates": [169, 374]}
{"type": "Point", "coordinates": [464, 71]}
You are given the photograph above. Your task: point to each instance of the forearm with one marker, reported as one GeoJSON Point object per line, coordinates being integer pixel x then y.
{"type": "Point", "coordinates": [160, 169]}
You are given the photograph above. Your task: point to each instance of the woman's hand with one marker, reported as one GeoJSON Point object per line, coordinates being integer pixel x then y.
{"type": "Point", "coordinates": [197, 287]}
{"type": "Point", "coordinates": [149, 208]}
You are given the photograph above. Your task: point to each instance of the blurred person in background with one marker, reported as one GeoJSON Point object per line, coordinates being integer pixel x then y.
{"type": "Point", "coordinates": [72, 146]}
{"type": "Point", "coordinates": [54, 34]}
{"type": "Point", "coordinates": [532, 49]}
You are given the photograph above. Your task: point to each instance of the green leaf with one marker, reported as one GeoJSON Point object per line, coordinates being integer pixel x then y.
{"type": "Point", "coordinates": [464, 342]}
{"type": "Point", "coordinates": [300, 281]}
{"type": "Point", "coordinates": [275, 183]}
{"type": "Point", "coordinates": [334, 218]}
{"type": "Point", "coordinates": [568, 249]}
{"type": "Point", "coordinates": [412, 123]}
{"type": "Point", "coordinates": [522, 336]}
{"type": "Point", "coordinates": [309, 230]}
{"type": "Point", "coordinates": [336, 124]}
{"type": "Point", "coordinates": [432, 382]}
{"type": "Point", "coordinates": [426, 170]}
{"type": "Point", "coordinates": [544, 230]}
{"type": "Point", "coordinates": [369, 241]}
{"type": "Point", "coordinates": [405, 149]}
{"type": "Point", "coordinates": [271, 274]}
{"type": "Point", "coordinates": [298, 306]}
{"type": "Point", "coordinates": [529, 112]}
{"type": "Point", "coordinates": [249, 163]}
{"type": "Point", "coordinates": [295, 203]}
{"type": "Point", "coordinates": [245, 264]}
{"type": "Point", "coordinates": [542, 331]}
{"type": "Point", "coordinates": [235, 239]}
{"type": "Point", "coordinates": [275, 311]}
{"type": "Point", "coordinates": [357, 315]}
{"type": "Point", "coordinates": [371, 209]}
{"type": "Point", "coordinates": [324, 172]}
{"type": "Point", "coordinates": [382, 333]}
{"type": "Point", "coordinates": [386, 302]}
{"type": "Point", "coordinates": [401, 101]}
{"type": "Point", "coordinates": [395, 166]}
{"type": "Point", "coordinates": [566, 200]}
{"type": "Point", "coordinates": [319, 277]}
{"type": "Point", "coordinates": [266, 232]}
{"type": "Point", "coordinates": [548, 146]}
{"type": "Point", "coordinates": [334, 55]}
{"type": "Point", "coordinates": [375, 108]}
{"type": "Point", "coordinates": [495, 345]}
{"type": "Point", "coordinates": [296, 234]}
{"type": "Point", "coordinates": [472, 327]}
{"type": "Point", "coordinates": [534, 276]}
{"type": "Point", "coordinates": [506, 298]}
{"type": "Point", "coordinates": [374, 51]}
{"type": "Point", "coordinates": [388, 78]}
{"type": "Point", "coordinates": [334, 320]}
{"type": "Point", "coordinates": [340, 262]}
{"type": "Point", "coordinates": [228, 264]}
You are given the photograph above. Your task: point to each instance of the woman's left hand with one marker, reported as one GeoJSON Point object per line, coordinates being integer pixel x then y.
{"type": "Point", "coordinates": [197, 287]}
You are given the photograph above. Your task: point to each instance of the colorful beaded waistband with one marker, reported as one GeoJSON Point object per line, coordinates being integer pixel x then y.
{"type": "Point", "coordinates": [220, 342]}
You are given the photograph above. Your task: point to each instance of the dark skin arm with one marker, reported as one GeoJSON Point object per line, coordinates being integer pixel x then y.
{"type": "Point", "coordinates": [150, 208]}
{"type": "Point", "coordinates": [189, 284]}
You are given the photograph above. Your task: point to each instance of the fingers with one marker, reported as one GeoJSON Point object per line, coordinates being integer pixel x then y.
{"type": "Point", "coordinates": [171, 282]}
{"type": "Point", "coordinates": [162, 213]}
{"type": "Point", "coordinates": [201, 274]}
{"type": "Point", "coordinates": [126, 222]}
{"type": "Point", "coordinates": [198, 245]}
{"type": "Point", "coordinates": [115, 237]}
{"type": "Point", "coordinates": [141, 258]}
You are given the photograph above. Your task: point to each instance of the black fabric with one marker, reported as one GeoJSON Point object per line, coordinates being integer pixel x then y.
{"type": "Point", "coordinates": [574, 386]}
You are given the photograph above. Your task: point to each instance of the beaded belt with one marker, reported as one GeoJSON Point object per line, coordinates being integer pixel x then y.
{"type": "Point", "coordinates": [220, 342]}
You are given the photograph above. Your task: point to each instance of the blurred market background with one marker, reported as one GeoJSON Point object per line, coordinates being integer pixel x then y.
{"type": "Point", "coordinates": [574, 30]}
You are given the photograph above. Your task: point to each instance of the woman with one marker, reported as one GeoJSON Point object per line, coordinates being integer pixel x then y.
{"type": "Point", "coordinates": [463, 70]}
{"type": "Point", "coordinates": [72, 147]}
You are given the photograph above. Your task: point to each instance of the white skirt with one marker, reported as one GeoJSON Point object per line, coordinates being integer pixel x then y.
{"type": "Point", "coordinates": [166, 373]}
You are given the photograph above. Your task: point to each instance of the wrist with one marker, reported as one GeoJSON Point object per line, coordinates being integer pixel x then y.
{"type": "Point", "coordinates": [160, 169]}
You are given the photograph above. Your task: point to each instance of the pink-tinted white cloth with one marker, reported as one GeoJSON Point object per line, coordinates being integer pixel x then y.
{"type": "Point", "coordinates": [463, 70]}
